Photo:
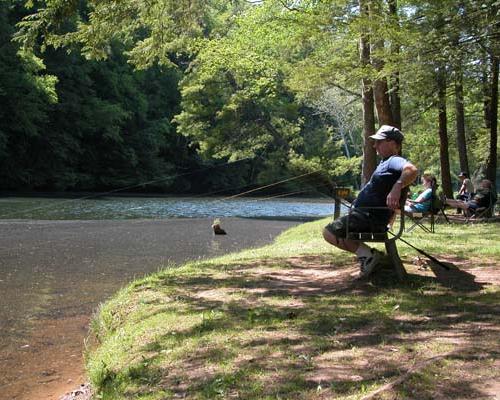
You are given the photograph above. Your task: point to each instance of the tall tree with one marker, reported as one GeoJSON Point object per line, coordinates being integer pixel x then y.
{"type": "Point", "coordinates": [395, 98]}
{"type": "Point", "coordinates": [369, 155]}
{"type": "Point", "coordinates": [460, 118]}
{"type": "Point", "coordinates": [483, 31]}
{"type": "Point", "coordinates": [441, 82]}
{"type": "Point", "coordinates": [491, 166]}
{"type": "Point", "coordinates": [380, 86]}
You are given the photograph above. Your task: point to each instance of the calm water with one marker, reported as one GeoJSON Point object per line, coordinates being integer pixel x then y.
{"type": "Point", "coordinates": [165, 207]}
{"type": "Point", "coordinates": [60, 258]}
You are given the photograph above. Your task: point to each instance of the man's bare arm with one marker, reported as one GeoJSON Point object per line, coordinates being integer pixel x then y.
{"type": "Point", "coordinates": [408, 175]}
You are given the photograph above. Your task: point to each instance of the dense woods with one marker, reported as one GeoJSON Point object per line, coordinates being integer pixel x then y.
{"type": "Point", "coordinates": [199, 96]}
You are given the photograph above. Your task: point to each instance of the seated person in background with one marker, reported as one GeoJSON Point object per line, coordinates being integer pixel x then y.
{"type": "Point", "coordinates": [484, 197]}
{"type": "Point", "coordinates": [423, 202]}
{"type": "Point", "coordinates": [466, 191]}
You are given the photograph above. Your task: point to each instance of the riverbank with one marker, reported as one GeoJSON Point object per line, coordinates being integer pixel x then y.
{"type": "Point", "coordinates": [53, 274]}
{"type": "Point", "coordinates": [289, 320]}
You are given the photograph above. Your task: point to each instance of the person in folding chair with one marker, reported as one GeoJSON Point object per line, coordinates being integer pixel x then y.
{"type": "Point", "coordinates": [375, 204]}
{"type": "Point", "coordinates": [423, 202]}
{"type": "Point", "coordinates": [419, 208]}
{"type": "Point", "coordinates": [483, 200]}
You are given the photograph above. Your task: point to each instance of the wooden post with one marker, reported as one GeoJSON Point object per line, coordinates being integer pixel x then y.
{"type": "Point", "coordinates": [336, 210]}
{"type": "Point", "coordinates": [397, 264]}
{"type": "Point", "coordinates": [339, 193]}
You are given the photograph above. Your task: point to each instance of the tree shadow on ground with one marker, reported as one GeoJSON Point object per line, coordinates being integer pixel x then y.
{"type": "Point", "coordinates": [310, 330]}
{"type": "Point", "coordinates": [456, 278]}
{"type": "Point", "coordinates": [453, 277]}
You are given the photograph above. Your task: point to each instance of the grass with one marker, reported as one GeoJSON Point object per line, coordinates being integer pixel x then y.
{"type": "Point", "coordinates": [287, 321]}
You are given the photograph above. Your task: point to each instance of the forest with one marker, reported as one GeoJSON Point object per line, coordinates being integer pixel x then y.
{"type": "Point", "coordinates": [218, 96]}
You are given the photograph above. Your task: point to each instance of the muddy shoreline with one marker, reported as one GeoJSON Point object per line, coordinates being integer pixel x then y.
{"type": "Point", "coordinates": [55, 273]}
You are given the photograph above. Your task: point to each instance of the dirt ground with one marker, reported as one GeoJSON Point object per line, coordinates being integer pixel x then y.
{"type": "Point", "coordinates": [57, 341]}
{"type": "Point", "coordinates": [457, 356]}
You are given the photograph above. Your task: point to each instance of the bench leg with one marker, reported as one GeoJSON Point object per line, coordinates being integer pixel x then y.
{"type": "Point", "coordinates": [392, 251]}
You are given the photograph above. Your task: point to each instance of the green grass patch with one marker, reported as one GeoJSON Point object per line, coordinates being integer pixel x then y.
{"type": "Point", "coordinates": [287, 321]}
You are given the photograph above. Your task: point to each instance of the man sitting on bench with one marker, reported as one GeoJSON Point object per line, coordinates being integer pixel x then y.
{"type": "Point", "coordinates": [375, 204]}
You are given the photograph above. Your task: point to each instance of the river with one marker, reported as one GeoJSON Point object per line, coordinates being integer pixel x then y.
{"type": "Point", "coordinates": [60, 258]}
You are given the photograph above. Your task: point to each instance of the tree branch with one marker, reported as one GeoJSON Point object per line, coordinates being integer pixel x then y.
{"type": "Point", "coordinates": [407, 375]}
{"type": "Point", "coordinates": [357, 95]}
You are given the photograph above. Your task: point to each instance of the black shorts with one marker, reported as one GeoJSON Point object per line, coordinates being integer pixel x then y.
{"type": "Point", "coordinates": [358, 222]}
{"type": "Point", "coordinates": [472, 205]}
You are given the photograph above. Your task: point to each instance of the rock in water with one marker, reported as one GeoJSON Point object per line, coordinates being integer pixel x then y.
{"type": "Point", "coordinates": [218, 230]}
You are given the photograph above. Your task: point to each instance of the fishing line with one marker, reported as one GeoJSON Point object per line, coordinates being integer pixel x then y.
{"type": "Point", "coordinates": [267, 186]}
{"type": "Point", "coordinates": [101, 194]}
{"type": "Point", "coordinates": [271, 185]}
{"type": "Point", "coordinates": [313, 189]}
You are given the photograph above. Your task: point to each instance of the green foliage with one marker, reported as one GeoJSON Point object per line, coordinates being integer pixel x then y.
{"type": "Point", "coordinates": [26, 92]}
{"type": "Point", "coordinates": [125, 137]}
{"type": "Point", "coordinates": [106, 127]}
{"type": "Point", "coordinates": [276, 81]}
{"type": "Point", "coordinates": [236, 102]}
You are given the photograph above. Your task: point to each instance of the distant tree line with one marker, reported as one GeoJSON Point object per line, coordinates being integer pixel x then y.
{"type": "Point", "coordinates": [199, 96]}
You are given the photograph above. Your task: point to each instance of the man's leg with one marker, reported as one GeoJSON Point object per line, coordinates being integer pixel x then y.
{"type": "Point", "coordinates": [457, 204]}
{"type": "Point", "coordinates": [367, 257]}
{"type": "Point", "coordinates": [344, 244]}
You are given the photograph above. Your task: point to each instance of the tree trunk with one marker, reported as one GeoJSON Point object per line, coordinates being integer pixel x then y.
{"type": "Point", "coordinates": [381, 91]}
{"type": "Point", "coordinates": [443, 133]}
{"type": "Point", "coordinates": [460, 119]}
{"type": "Point", "coordinates": [491, 167]}
{"type": "Point", "coordinates": [486, 93]}
{"type": "Point", "coordinates": [394, 81]}
{"type": "Point", "coordinates": [380, 87]}
{"type": "Point", "coordinates": [369, 154]}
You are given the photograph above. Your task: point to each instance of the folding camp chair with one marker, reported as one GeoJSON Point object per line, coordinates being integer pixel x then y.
{"type": "Point", "coordinates": [436, 210]}
{"type": "Point", "coordinates": [482, 213]}
{"type": "Point", "coordinates": [419, 219]}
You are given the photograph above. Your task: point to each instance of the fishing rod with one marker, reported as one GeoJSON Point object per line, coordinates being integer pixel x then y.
{"type": "Point", "coordinates": [424, 253]}
{"type": "Point", "coordinates": [432, 258]}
